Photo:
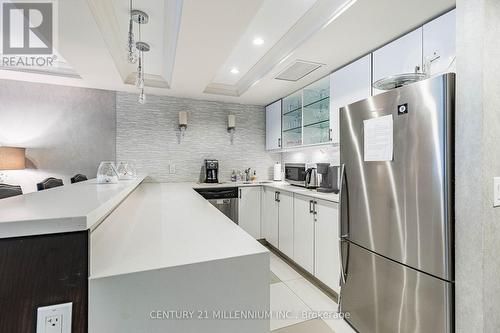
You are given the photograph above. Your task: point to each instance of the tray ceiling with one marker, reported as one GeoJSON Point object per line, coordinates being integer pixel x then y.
{"type": "Point", "coordinates": [195, 44]}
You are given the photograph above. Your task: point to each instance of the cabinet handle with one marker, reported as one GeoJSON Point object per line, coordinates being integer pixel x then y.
{"type": "Point", "coordinates": [278, 196]}
{"type": "Point", "coordinates": [330, 135]}
{"type": "Point", "coordinates": [315, 212]}
{"type": "Point", "coordinates": [279, 142]}
{"type": "Point", "coordinates": [240, 193]}
{"type": "Point", "coordinates": [310, 206]}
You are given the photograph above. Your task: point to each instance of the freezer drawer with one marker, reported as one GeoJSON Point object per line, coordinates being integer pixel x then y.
{"type": "Point", "coordinates": [382, 296]}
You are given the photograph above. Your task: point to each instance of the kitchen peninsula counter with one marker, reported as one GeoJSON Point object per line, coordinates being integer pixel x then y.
{"type": "Point", "coordinates": [166, 249]}
{"type": "Point", "coordinates": [131, 251]}
{"type": "Point", "coordinates": [69, 208]}
{"type": "Point", "coordinates": [171, 221]}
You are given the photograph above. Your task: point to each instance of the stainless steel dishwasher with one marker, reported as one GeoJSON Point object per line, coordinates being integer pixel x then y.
{"type": "Point", "coordinates": [224, 199]}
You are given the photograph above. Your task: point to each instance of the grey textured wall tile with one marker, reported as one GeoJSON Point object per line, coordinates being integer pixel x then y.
{"type": "Point", "coordinates": [148, 135]}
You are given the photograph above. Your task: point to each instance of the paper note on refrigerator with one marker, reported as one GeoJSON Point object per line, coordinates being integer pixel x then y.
{"type": "Point", "coordinates": [378, 139]}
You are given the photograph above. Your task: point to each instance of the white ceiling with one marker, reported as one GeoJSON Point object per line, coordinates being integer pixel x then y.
{"type": "Point", "coordinates": [271, 22]}
{"type": "Point", "coordinates": [161, 33]}
{"type": "Point", "coordinates": [195, 42]}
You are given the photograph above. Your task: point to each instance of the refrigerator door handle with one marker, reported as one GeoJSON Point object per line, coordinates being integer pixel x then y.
{"type": "Point", "coordinates": [342, 271]}
{"type": "Point", "coordinates": [341, 192]}
{"type": "Point", "coordinates": [342, 236]}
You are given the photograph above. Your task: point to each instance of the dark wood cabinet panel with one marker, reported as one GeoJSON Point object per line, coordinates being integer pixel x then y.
{"type": "Point", "coordinates": [39, 271]}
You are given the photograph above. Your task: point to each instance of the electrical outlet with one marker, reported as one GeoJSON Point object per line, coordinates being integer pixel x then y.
{"type": "Point", "coordinates": [54, 318]}
{"type": "Point", "coordinates": [53, 324]}
{"type": "Point", "coordinates": [172, 168]}
{"type": "Point", "coordinates": [496, 192]}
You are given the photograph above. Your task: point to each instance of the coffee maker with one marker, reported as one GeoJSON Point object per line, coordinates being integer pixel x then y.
{"type": "Point", "coordinates": [211, 171]}
{"type": "Point", "coordinates": [329, 178]}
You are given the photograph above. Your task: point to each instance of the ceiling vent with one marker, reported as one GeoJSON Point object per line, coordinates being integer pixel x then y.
{"type": "Point", "coordinates": [298, 70]}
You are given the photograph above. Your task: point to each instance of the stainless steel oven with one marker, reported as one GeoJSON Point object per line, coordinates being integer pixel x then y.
{"type": "Point", "coordinates": [295, 173]}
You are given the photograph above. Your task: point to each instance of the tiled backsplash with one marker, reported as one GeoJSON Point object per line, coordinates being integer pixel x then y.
{"type": "Point", "coordinates": [323, 154]}
{"type": "Point", "coordinates": [149, 136]}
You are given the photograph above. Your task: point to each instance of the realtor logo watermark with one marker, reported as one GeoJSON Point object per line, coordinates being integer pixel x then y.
{"type": "Point", "coordinates": [28, 33]}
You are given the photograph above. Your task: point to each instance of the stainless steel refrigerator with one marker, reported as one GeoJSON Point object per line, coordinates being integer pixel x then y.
{"type": "Point", "coordinates": [397, 212]}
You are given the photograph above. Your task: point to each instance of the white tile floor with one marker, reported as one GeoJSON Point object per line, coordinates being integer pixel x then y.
{"type": "Point", "coordinates": [294, 294]}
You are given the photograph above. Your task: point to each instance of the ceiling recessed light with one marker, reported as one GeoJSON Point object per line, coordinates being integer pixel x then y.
{"type": "Point", "coordinates": [235, 70]}
{"type": "Point", "coordinates": [258, 41]}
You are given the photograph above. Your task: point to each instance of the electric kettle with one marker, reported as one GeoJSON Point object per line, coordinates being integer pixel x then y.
{"type": "Point", "coordinates": [312, 178]}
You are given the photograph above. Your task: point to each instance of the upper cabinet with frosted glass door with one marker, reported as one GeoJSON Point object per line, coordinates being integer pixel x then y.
{"type": "Point", "coordinates": [316, 112]}
{"type": "Point", "coordinates": [292, 120]}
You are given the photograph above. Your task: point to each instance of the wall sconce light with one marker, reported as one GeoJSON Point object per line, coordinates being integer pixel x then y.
{"type": "Point", "coordinates": [231, 125]}
{"type": "Point", "coordinates": [183, 121]}
{"type": "Point", "coordinates": [12, 158]}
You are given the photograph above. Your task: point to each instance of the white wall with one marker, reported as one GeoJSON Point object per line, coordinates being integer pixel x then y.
{"type": "Point", "coordinates": [477, 224]}
{"type": "Point", "coordinates": [66, 130]}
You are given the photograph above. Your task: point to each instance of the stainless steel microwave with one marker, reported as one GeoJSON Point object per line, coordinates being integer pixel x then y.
{"type": "Point", "coordinates": [295, 173]}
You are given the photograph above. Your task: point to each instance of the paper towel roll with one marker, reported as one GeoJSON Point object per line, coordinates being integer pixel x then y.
{"type": "Point", "coordinates": [277, 172]}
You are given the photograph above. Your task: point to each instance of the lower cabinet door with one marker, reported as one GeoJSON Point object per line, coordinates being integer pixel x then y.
{"type": "Point", "coordinates": [270, 217]}
{"type": "Point", "coordinates": [286, 223]}
{"type": "Point", "coordinates": [303, 240]}
{"type": "Point", "coordinates": [326, 244]}
{"type": "Point", "coordinates": [249, 210]}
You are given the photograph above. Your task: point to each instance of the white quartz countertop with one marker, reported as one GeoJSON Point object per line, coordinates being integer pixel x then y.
{"type": "Point", "coordinates": [282, 186]}
{"type": "Point", "coordinates": [72, 207]}
{"type": "Point", "coordinates": [162, 225]}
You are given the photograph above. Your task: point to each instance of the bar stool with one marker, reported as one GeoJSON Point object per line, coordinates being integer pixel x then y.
{"type": "Point", "coordinates": [7, 190]}
{"type": "Point", "coordinates": [49, 183]}
{"type": "Point", "coordinates": [78, 178]}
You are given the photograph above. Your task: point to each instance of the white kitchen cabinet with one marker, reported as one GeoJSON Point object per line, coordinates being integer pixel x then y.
{"type": "Point", "coordinates": [303, 243]}
{"type": "Point", "coordinates": [401, 56]}
{"type": "Point", "coordinates": [270, 216]}
{"type": "Point", "coordinates": [285, 217]}
{"type": "Point", "coordinates": [249, 216]}
{"type": "Point", "coordinates": [292, 123]}
{"type": "Point", "coordinates": [326, 244]}
{"type": "Point", "coordinates": [439, 43]}
{"type": "Point", "coordinates": [349, 84]}
{"type": "Point", "coordinates": [273, 126]}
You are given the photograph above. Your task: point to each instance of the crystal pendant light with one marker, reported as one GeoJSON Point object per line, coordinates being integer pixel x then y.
{"type": "Point", "coordinates": [131, 50]}
{"type": "Point", "coordinates": [141, 18]}
{"type": "Point", "coordinates": [142, 97]}
{"type": "Point", "coordinates": [139, 81]}
{"type": "Point", "coordinates": [142, 47]}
